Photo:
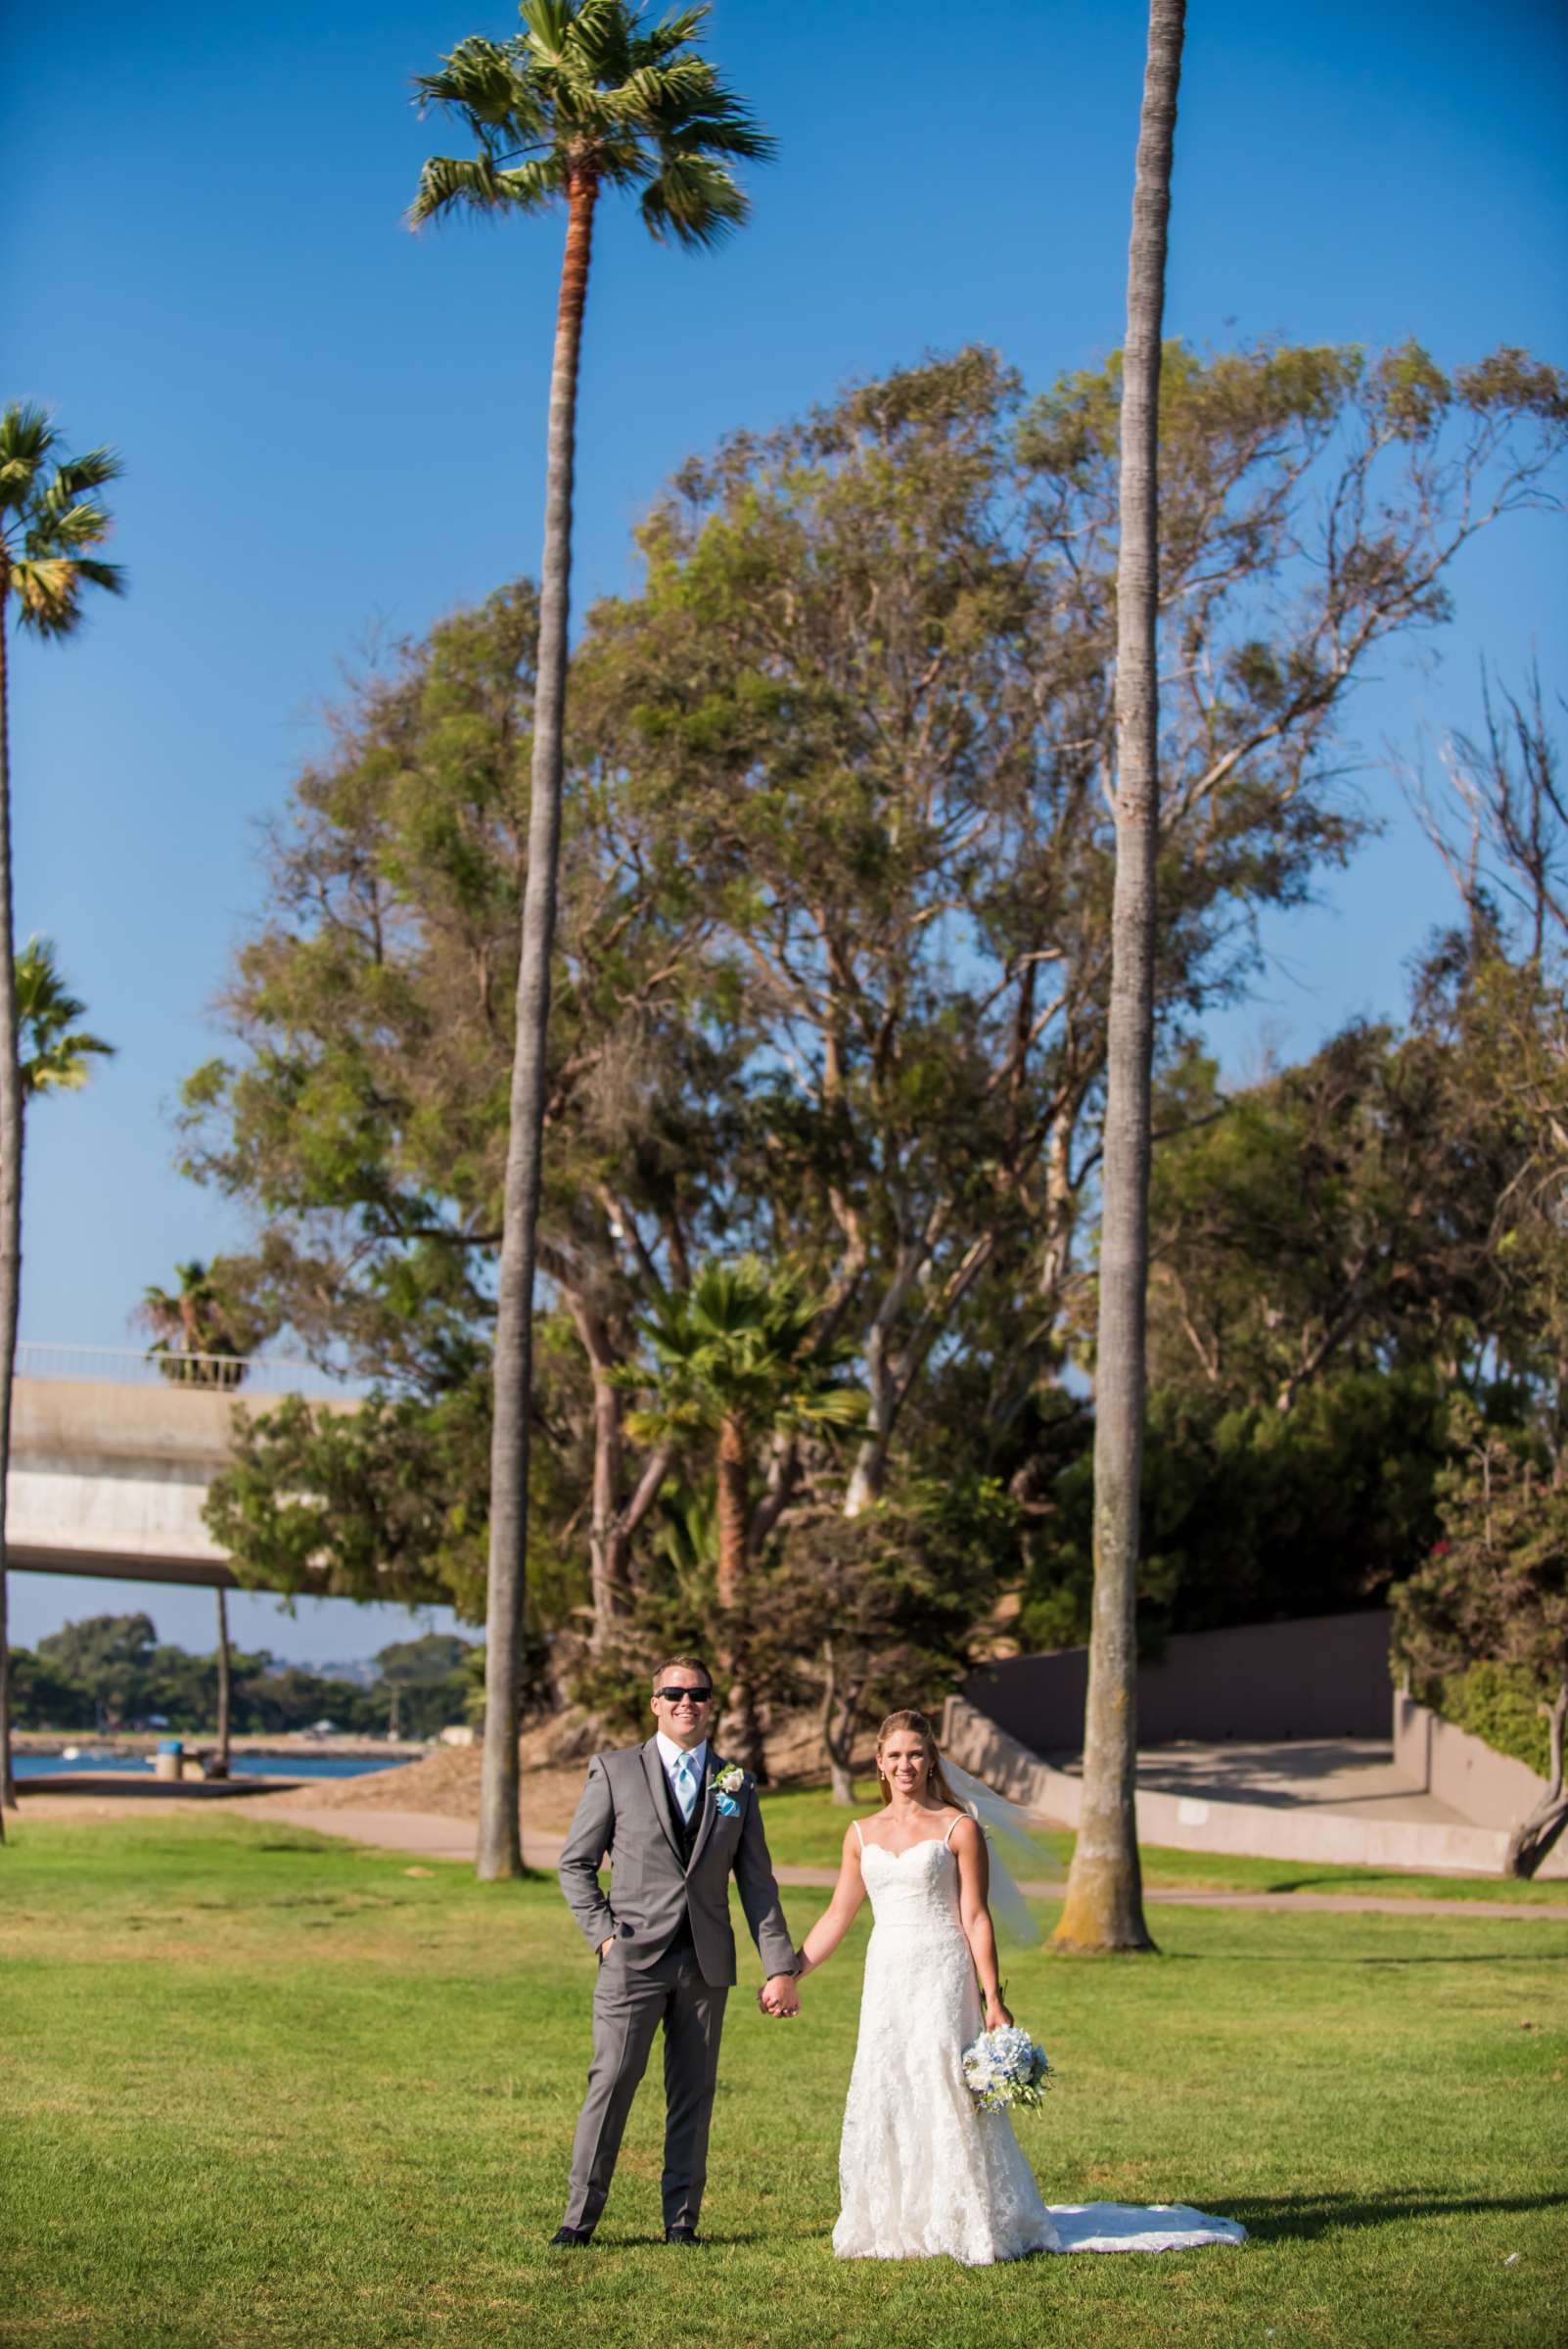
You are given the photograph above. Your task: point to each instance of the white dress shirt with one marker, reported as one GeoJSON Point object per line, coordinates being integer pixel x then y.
{"type": "Point", "coordinates": [670, 1753]}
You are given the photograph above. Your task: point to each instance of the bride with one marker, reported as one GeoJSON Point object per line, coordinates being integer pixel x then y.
{"type": "Point", "coordinates": [922, 2169]}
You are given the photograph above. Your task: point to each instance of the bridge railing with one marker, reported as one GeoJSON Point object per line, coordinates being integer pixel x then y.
{"type": "Point", "coordinates": [221, 1373]}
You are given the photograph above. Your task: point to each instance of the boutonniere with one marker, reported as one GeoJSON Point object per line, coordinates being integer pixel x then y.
{"type": "Point", "coordinates": [727, 1784]}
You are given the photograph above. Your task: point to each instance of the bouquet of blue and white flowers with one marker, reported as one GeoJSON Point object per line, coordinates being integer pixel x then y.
{"type": "Point", "coordinates": [1006, 2068]}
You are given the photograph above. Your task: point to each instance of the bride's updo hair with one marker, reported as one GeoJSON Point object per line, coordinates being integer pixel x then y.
{"type": "Point", "coordinates": [936, 1781]}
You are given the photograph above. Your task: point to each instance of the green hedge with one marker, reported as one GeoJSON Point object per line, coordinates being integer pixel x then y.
{"type": "Point", "coordinates": [1496, 1703]}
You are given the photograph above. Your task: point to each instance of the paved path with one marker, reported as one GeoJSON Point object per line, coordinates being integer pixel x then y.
{"type": "Point", "coordinates": [423, 1831]}
{"type": "Point", "coordinates": [433, 1838]}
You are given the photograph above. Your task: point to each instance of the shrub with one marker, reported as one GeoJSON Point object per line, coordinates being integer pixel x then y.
{"type": "Point", "coordinates": [1498, 1703]}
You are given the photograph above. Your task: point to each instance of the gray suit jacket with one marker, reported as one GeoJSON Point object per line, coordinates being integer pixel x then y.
{"type": "Point", "coordinates": [623, 1815]}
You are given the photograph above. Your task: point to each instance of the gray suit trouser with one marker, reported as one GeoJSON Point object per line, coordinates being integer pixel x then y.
{"type": "Point", "coordinates": [629, 2003]}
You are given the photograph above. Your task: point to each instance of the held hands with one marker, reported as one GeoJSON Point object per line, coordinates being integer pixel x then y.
{"type": "Point", "coordinates": [778, 1994]}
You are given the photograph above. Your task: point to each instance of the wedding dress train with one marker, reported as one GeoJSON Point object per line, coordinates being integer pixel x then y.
{"type": "Point", "coordinates": [922, 2171]}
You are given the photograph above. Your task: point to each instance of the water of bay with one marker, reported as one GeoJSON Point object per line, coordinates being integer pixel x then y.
{"type": "Point", "coordinates": [241, 1766]}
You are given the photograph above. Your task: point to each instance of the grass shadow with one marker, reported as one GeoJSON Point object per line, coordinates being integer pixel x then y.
{"type": "Point", "coordinates": [1322, 1958]}
{"type": "Point", "coordinates": [1283, 2218]}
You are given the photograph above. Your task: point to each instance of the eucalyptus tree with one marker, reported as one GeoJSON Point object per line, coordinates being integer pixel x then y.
{"type": "Point", "coordinates": [51, 522]}
{"type": "Point", "coordinates": [1498, 819]}
{"type": "Point", "coordinates": [1103, 1907]}
{"type": "Point", "coordinates": [866, 700]}
{"type": "Point", "coordinates": [583, 100]}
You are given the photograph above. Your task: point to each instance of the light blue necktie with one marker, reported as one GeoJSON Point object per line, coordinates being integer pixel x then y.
{"type": "Point", "coordinates": [686, 1785]}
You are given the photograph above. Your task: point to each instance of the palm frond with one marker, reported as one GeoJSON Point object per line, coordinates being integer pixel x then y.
{"type": "Point", "coordinates": [42, 994]}
{"type": "Point", "coordinates": [599, 43]}
{"type": "Point", "coordinates": [728, 127]}
{"type": "Point", "coordinates": [111, 576]}
{"type": "Point", "coordinates": [479, 81]}
{"type": "Point", "coordinates": [450, 183]}
{"type": "Point", "coordinates": [656, 94]}
{"type": "Point", "coordinates": [548, 26]}
{"type": "Point", "coordinates": [673, 32]}
{"type": "Point", "coordinates": [91, 470]}
{"type": "Point", "coordinates": [623, 160]}
{"type": "Point", "coordinates": [57, 526]}
{"type": "Point", "coordinates": [728, 131]}
{"type": "Point", "coordinates": [26, 428]}
{"type": "Point", "coordinates": [27, 438]}
{"type": "Point", "coordinates": [694, 200]}
{"type": "Point", "coordinates": [533, 186]}
{"type": "Point", "coordinates": [45, 588]}
{"type": "Point", "coordinates": [66, 1066]}
{"type": "Point", "coordinates": [835, 1407]}
{"type": "Point", "coordinates": [54, 1056]}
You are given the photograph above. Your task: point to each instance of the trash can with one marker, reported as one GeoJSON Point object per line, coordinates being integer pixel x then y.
{"type": "Point", "coordinates": [169, 1760]}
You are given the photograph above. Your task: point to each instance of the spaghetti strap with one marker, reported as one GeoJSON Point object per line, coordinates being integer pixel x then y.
{"type": "Point", "coordinates": [858, 1837]}
{"type": "Point", "coordinates": [947, 1838]}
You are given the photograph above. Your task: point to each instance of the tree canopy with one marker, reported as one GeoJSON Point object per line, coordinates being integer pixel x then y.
{"type": "Point", "coordinates": [831, 970]}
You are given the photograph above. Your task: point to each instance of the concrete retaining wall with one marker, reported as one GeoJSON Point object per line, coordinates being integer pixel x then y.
{"type": "Point", "coordinates": [1461, 1771]}
{"type": "Point", "coordinates": [1325, 1676]}
{"type": "Point", "coordinates": [1264, 1830]}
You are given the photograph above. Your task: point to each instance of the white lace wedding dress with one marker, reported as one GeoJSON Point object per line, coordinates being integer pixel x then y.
{"type": "Point", "coordinates": [922, 2171]}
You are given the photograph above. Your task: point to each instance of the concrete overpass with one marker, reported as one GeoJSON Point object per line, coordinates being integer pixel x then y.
{"type": "Point", "coordinates": [111, 1459]}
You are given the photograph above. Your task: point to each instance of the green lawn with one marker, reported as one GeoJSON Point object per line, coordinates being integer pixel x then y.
{"type": "Point", "coordinates": [806, 1829]}
{"type": "Point", "coordinates": [261, 2088]}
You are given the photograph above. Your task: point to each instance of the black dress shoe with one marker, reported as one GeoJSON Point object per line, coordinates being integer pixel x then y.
{"type": "Point", "coordinates": [687, 2236]}
{"type": "Point", "coordinates": [571, 2238]}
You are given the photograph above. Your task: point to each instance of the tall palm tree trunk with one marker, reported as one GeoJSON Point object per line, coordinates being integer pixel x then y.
{"type": "Point", "coordinates": [740, 1727]}
{"type": "Point", "coordinates": [10, 1188]}
{"type": "Point", "coordinates": [500, 1847]}
{"type": "Point", "coordinates": [732, 1481]}
{"type": "Point", "coordinates": [606, 1554]}
{"type": "Point", "coordinates": [224, 1681]}
{"type": "Point", "coordinates": [1104, 1904]}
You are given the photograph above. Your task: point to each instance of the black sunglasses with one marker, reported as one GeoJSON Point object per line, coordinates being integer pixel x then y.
{"type": "Point", "coordinates": [672, 1696]}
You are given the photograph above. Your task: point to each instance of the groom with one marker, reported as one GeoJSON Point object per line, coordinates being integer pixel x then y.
{"type": "Point", "coordinates": [677, 1821]}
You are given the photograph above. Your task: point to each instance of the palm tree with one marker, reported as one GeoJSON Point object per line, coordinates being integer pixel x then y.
{"type": "Point", "coordinates": [737, 1361]}
{"type": "Point", "coordinates": [54, 1056]}
{"type": "Point", "coordinates": [1104, 1904]}
{"type": "Point", "coordinates": [50, 521]}
{"type": "Point", "coordinates": [581, 101]}
{"type": "Point", "coordinates": [202, 1337]}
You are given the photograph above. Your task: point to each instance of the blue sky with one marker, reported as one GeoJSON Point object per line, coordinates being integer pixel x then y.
{"type": "Point", "coordinates": [332, 428]}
